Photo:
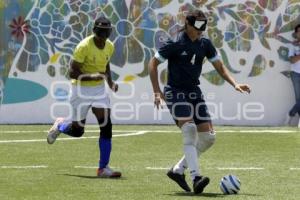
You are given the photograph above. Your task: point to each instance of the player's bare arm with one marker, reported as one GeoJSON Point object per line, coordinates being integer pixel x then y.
{"type": "Point", "coordinates": [218, 65]}
{"type": "Point", "coordinates": [75, 73]}
{"type": "Point", "coordinates": [158, 95]}
{"type": "Point", "coordinates": [294, 59]}
{"type": "Point", "coordinates": [112, 85]}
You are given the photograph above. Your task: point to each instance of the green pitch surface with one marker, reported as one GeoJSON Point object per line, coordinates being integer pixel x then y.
{"type": "Point", "coordinates": [266, 160]}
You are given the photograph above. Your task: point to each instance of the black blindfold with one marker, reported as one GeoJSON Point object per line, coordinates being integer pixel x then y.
{"type": "Point", "coordinates": [101, 31]}
{"type": "Point", "coordinates": [198, 24]}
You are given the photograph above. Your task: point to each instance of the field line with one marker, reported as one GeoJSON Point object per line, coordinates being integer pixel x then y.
{"type": "Point", "coordinates": [86, 167]}
{"type": "Point", "coordinates": [91, 167]}
{"type": "Point", "coordinates": [240, 168]}
{"type": "Point", "coordinates": [164, 131]}
{"type": "Point", "coordinates": [295, 168]}
{"type": "Point", "coordinates": [72, 138]}
{"type": "Point", "coordinates": [257, 131]}
{"type": "Point", "coordinates": [24, 167]}
{"type": "Point", "coordinates": [158, 168]}
{"type": "Point", "coordinates": [218, 168]}
{"type": "Point", "coordinates": [87, 131]}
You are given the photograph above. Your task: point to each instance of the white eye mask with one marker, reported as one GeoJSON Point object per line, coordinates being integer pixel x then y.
{"type": "Point", "coordinates": [199, 24]}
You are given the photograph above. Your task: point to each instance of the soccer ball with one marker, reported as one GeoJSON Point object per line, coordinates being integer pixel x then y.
{"type": "Point", "coordinates": [230, 184]}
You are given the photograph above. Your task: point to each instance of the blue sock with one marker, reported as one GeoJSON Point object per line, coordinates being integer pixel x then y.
{"type": "Point", "coordinates": [105, 149]}
{"type": "Point", "coordinates": [65, 127]}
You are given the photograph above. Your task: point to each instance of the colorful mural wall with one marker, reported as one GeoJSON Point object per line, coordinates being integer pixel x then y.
{"type": "Point", "coordinates": [37, 38]}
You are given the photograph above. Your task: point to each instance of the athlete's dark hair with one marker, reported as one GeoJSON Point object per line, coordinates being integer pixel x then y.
{"type": "Point", "coordinates": [297, 27]}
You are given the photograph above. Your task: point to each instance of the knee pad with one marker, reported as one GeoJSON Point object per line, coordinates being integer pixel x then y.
{"type": "Point", "coordinates": [189, 133]}
{"type": "Point", "coordinates": [205, 141]}
{"type": "Point", "coordinates": [106, 130]}
{"type": "Point", "coordinates": [77, 131]}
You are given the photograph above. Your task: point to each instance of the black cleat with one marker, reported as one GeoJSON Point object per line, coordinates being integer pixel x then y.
{"type": "Point", "coordinates": [179, 179]}
{"type": "Point", "coordinates": [200, 182]}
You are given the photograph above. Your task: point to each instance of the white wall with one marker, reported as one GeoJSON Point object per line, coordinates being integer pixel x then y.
{"type": "Point", "coordinates": [271, 97]}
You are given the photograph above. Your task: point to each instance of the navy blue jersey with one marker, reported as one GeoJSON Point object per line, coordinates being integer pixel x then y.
{"type": "Point", "coordinates": [185, 59]}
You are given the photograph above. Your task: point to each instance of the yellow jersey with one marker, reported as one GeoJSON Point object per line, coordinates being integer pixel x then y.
{"type": "Point", "coordinates": [92, 58]}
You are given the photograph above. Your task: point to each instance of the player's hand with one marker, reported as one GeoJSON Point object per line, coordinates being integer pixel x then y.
{"type": "Point", "coordinates": [242, 88]}
{"type": "Point", "coordinates": [114, 87]}
{"type": "Point", "coordinates": [158, 98]}
{"type": "Point", "coordinates": [296, 43]}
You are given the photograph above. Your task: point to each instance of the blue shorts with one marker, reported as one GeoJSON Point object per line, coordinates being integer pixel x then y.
{"type": "Point", "coordinates": [186, 104]}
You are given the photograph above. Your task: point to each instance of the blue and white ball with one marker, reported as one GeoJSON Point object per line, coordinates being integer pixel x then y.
{"type": "Point", "coordinates": [230, 184]}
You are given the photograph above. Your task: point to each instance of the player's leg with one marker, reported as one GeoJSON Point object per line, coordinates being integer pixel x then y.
{"type": "Point", "coordinates": [74, 128]}
{"type": "Point", "coordinates": [182, 113]}
{"type": "Point", "coordinates": [206, 133]}
{"type": "Point", "coordinates": [202, 120]}
{"type": "Point", "coordinates": [105, 143]}
{"type": "Point", "coordinates": [204, 125]}
{"type": "Point", "coordinates": [296, 108]}
{"type": "Point", "coordinates": [206, 137]}
{"type": "Point", "coordinates": [189, 160]}
{"type": "Point", "coordinates": [205, 140]}
{"type": "Point", "coordinates": [101, 109]}
{"type": "Point", "coordinates": [296, 83]}
{"type": "Point", "coordinates": [190, 137]}
{"type": "Point", "coordinates": [105, 126]}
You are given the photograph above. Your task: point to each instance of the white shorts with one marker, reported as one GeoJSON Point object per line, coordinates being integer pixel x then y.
{"type": "Point", "coordinates": [83, 98]}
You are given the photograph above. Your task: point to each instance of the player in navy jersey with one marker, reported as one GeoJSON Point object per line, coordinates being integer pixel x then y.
{"type": "Point", "coordinates": [183, 96]}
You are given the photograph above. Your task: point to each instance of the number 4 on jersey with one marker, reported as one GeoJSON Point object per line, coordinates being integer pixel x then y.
{"type": "Point", "coordinates": [193, 59]}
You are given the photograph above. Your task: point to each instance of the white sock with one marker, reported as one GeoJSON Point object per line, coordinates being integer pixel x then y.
{"type": "Point", "coordinates": [190, 138]}
{"type": "Point", "coordinates": [191, 158]}
{"type": "Point", "coordinates": [208, 140]}
{"type": "Point", "coordinates": [180, 166]}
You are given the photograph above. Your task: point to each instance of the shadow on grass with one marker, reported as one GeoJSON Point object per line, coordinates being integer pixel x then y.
{"type": "Point", "coordinates": [191, 194]}
{"type": "Point", "coordinates": [92, 177]}
{"type": "Point", "coordinates": [209, 195]}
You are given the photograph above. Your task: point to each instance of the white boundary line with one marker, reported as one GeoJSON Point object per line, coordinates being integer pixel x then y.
{"type": "Point", "coordinates": [87, 131]}
{"type": "Point", "coordinates": [24, 167]}
{"type": "Point", "coordinates": [158, 168]}
{"type": "Point", "coordinates": [86, 167]}
{"type": "Point", "coordinates": [218, 168]}
{"type": "Point", "coordinates": [240, 168]}
{"type": "Point", "coordinates": [257, 131]}
{"type": "Point", "coordinates": [131, 133]}
{"type": "Point", "coordinates": [295, 168]}
{"type": "Point", "coordinates": [168, 131]}
{"type": "Point", "coordinates": [71, 138]}
{"type": "Point", "coordinates": [148, 168]}
{"type": "Point", "coordinates": [90, 167]}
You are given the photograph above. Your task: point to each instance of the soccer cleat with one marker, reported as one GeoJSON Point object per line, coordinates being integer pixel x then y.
{"type": "Point", "coordinates": [179, 179]}
{"type": "Point", "coordinates": [200, 182]}
{"type": "Point", "coordinates": [53, 133]}
{"type": "Point", "coordinates": [108, 173]}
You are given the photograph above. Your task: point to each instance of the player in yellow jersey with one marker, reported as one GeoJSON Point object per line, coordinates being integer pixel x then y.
{"type": "Point", "coordinates": [89, 69]}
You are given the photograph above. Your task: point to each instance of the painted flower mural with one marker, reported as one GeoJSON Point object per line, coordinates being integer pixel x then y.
{"type": "Point", "coordinates": [138, 29]}
{"type": "Point", "coordinates": [239, 36]}
{"type": "Point", "coordinates": [19, 27]}
{"type": "Point", "coordinates": [42, 38]}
